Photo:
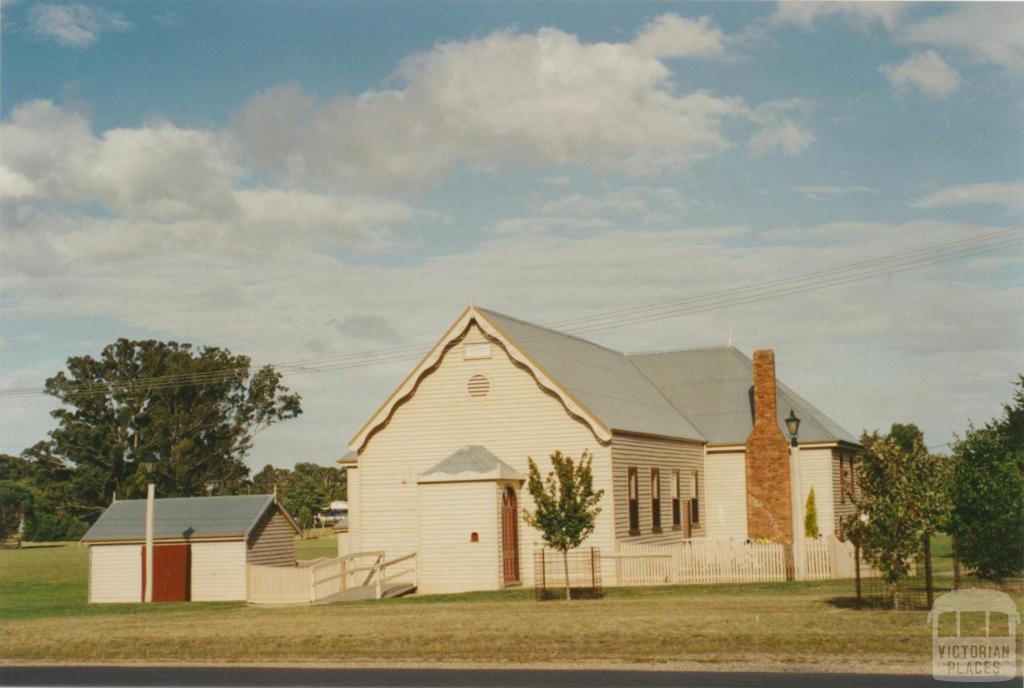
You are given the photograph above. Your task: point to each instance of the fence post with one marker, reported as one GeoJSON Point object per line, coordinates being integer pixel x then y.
{"type": "Point", "coordinates": [312, 584]}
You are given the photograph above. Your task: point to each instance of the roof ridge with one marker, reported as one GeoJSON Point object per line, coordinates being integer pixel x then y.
{"type": "Point", "coordinates": [677, 350]}
{"type": "Point", "coordinates": [489, 311]}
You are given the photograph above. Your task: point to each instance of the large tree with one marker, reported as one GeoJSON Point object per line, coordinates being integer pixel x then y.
{"type": "Point", "coordinates": [566, 505]}
{"type": "Point", "coordinates": [988, 493]}
{"type": "Point", "coordinates": [902, 499]}
{"type": "Point", "coordinates": [195, 409]}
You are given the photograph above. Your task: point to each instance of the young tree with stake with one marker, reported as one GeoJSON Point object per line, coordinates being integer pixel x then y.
{"type": "Point", "coordinates": [566, 505]}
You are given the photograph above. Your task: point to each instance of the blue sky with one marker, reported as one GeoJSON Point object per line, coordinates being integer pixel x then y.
{"type": "Point", "coordinates": [302, 179]}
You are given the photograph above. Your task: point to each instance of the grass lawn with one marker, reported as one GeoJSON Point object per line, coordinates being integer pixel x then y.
{"type": "Point", "coordinates": [44, 618]}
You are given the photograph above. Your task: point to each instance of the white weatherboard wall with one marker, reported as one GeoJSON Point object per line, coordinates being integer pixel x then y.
{"type": "Point", "coordinates": [449, 514]}
{"type": "Point", "coordinates": [218, 571]}
{"type": "Point", "coordinates": [115, 573]}
{"type": "Point", "coordinates": [727, 494]}
{"type": "Point", "coordinates": [816, 472]}
{"type": "Point", "coordinates": [518, 419]}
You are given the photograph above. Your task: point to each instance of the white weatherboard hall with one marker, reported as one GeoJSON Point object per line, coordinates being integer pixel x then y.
{"type": "Point", "coordinates": [440, 468]}
{"type": "Point", "coordinates": [200, 551]}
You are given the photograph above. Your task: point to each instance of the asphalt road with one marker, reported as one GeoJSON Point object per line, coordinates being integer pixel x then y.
{"type": "Point", "coordinates": [431, 678]}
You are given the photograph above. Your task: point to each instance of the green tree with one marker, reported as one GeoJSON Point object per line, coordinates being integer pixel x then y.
{"type": "Point", "coordinates": [811, 517]}
{"type": "Point", "coordinates": [903, 497]}
{"type": "Point", "coordinates": [988, 493]}
{"type": "Point", "coordinates": [197, 410]}
{"type": "Point", "coordinates": [906, 435]}
{"type": "Point", "coordinates": [304, 494]}
{"type": "Point", "coordinates": [566, 505]}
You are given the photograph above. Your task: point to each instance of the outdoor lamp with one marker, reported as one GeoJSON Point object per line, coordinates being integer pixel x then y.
{"type": "Point", "coordinates": [149, 461]}
{"type": "Point", "coordinates": [793, 425]}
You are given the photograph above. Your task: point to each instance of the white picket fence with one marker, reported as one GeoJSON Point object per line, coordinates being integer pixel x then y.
{"type": "Point", "coordinates": [708, 560]}
{"type": "Point", "coordinates": [701, 561]}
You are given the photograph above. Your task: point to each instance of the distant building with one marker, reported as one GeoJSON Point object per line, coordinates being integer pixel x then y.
{"type": "Point", "coordinates": [201, 546]}
{"type": "Point", "coordinates": [334, 515]}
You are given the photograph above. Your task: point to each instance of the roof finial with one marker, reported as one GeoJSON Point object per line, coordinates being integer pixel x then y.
{"type": "Point", "coordinates": [730, 336]}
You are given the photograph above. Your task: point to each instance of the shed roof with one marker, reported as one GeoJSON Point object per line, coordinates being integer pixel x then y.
{"type": "Point", "coordinates": [472, 462]}
{"type": "Point", "coordinates": [179, 517]}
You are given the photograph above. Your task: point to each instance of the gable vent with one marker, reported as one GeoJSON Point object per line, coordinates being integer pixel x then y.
{"type": "Point", "coordinates": [478, 387]}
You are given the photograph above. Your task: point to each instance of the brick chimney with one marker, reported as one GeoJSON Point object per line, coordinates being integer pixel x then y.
{"type": "Point", "coordinates": [769, 502]}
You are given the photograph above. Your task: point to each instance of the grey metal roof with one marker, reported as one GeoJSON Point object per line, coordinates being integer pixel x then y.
{"type": "Point", "coordinates": [181, 517]}
{"type": "Point", "coordinates": [603, 380]}
{"type": "Point", "coordinates": [472, 459]}
{"type": "Point", "coordinates": [712, 387]}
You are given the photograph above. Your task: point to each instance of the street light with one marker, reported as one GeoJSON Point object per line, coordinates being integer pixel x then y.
{"type": "Point", "coordinates": [797, 490]}
{"type": "Point", "coordinates": [149, 461]}
{"type": "Point", "coordinates": [793, 425]}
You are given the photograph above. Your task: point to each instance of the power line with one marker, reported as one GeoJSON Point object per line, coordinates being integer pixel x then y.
{"type": "Point", "coordinates": [753, 293]}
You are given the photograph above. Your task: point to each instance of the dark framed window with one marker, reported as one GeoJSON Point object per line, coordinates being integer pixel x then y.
{"type": "Point", "coordinates": [633, 494]}
{"type": "Point", "coordinates": [695, 497]}
{"type": "Point", "coordinates": [842, 480]}
{"type": "Point", "coordinates": [853, 480]}
{"type": "Point", "coordinates": [677, 510]}
{"type": "Point", "coordinates": [656, 500]}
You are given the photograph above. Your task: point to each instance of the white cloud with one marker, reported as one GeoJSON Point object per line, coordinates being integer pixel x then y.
{"type": "Point", "coordinates": [861, 15]}
{"type": "Point", "coordinates": [1009, 195]}
{"type": "Point", "coordinates": [783, 135]}
{"type": "Point", "coordinates": [925, 71]}
{"type": "Point", "coordinates": [74, 25]}
{"type": "Point", "coordinates": [819, 191]}
{"type": "Point", "coordinates": [508, 98]}
{"type": "Point", "coordinates": [155, 171]}
{"type": "Point", "coordinates": [14, 184]}
{"type": "Point", "coordinates": [990, 32]}
{"type": "Point", "coordinates": [673, 36]}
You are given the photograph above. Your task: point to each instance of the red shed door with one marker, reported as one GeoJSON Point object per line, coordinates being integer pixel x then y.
{"type": "Point", "coordinates": [171, 567]}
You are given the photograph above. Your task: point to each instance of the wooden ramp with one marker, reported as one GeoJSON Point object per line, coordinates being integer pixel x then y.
{"type": "Point", "coordinates": [368, 592]}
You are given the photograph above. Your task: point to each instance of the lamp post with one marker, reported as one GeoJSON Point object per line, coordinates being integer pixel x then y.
{"type": "Point", "coordinates": [796, 489]}
{"type": "Point", "coordinates": [149, 461]}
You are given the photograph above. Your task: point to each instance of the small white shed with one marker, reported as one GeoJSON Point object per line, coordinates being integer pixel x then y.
{"type": "Point", "coordinates": [201, 546]}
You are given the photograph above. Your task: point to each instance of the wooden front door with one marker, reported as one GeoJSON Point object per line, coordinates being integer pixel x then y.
{"type": "Point", "coordinates": [172, 569]}
{"type": "Point", "coordinates": [510, 536]}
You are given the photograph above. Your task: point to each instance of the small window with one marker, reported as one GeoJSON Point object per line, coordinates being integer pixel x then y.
{"type": "Point", "coordinates": [853, 480]}
{"type": "Point", "coordinates": [478, 387]}
{"type": "Point", "coordinates": [695, 498]}
{"type": "Point", "coordinates": [677, 511]}
{"type": "Point", "coordinates": [472, 352]}
{"type": "Point", "coordinates": [655, 500]}
{"type": "Point", "coordinates": [633, 489]}
{"type": "Point", "coordinates": [474, 537]}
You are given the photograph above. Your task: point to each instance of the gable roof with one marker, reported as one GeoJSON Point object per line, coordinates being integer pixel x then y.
{"type": "Point", "coordinates": [472, 462]}
{"type": "Point", "coordinates": [712, 387]}
{"type": "Point", "coordinates": [605, 381]}
{"type": "Point", "coordinates": [698, 394]}
{"type": "Point", "coordinates": [178, 517]}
